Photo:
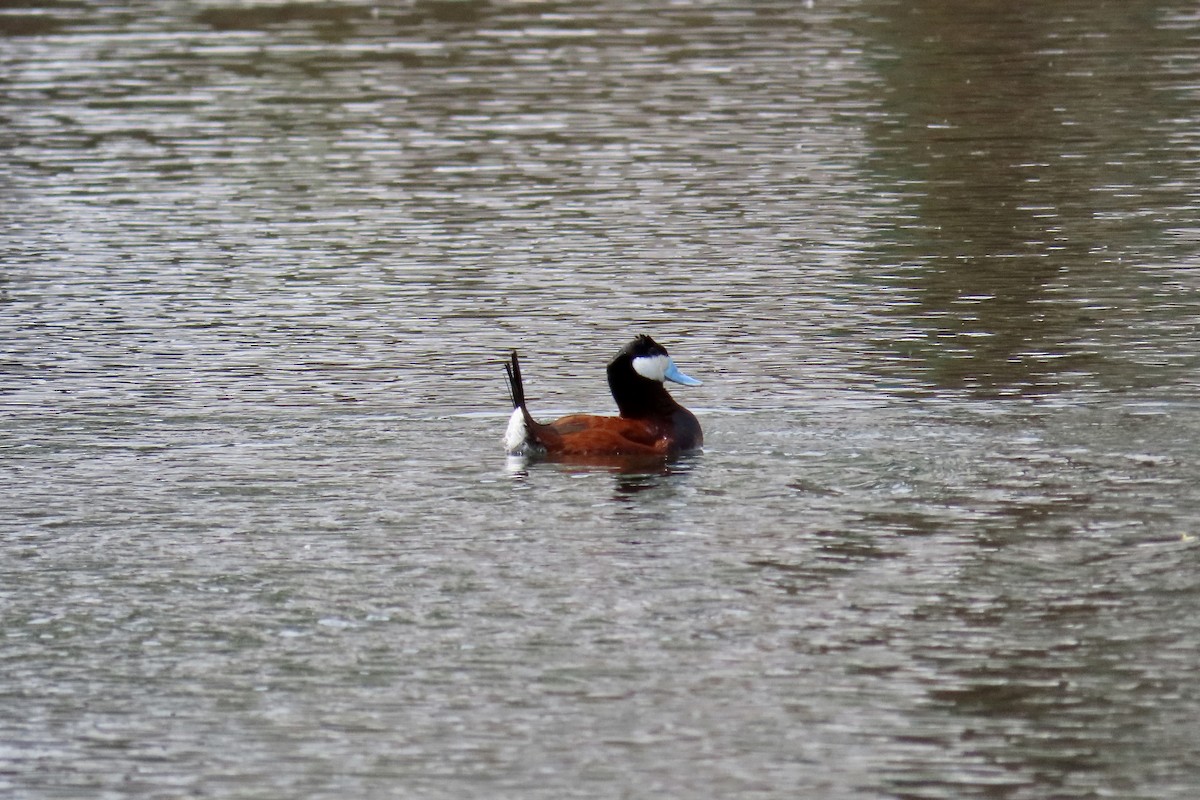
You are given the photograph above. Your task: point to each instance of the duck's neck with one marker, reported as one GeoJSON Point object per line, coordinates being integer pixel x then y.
{"type": "Point", "coordinates": [639, 397]}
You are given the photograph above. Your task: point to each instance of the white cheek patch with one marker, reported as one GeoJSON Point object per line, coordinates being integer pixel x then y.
{"type": "Point", "coordinates": [652, 367]}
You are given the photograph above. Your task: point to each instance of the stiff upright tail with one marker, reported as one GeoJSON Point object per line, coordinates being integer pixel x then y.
{"type": "Point", "coordinates": [516, 388]}
{"type": "Point", "coordinates": [521, 436]}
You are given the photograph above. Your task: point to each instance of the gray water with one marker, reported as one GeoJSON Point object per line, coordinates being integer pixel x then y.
{"type": "Point", "coordinates": [935, 262]}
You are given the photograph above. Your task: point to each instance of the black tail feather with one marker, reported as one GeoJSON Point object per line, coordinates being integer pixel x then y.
{"type": "Point", "coordinates": [516, 387]}
{"type": "Point", "coordinates": [516, 392]}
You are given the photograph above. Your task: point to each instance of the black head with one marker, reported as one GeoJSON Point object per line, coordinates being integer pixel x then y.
{"type": "Point", "coordinates": [636, 377]}
{"type": "Point", "coordinates": [643, 346]}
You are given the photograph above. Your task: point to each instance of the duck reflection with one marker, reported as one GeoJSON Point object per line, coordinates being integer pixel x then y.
{"type": "Point", "coordinates": [632, 476]}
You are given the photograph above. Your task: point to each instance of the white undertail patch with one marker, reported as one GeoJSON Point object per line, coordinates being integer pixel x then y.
{"type": "Point", "coordinates": [517, 435]}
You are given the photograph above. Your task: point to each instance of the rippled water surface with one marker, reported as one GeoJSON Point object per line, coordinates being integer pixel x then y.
{"type": "Point", "coordinates": [936, 263]}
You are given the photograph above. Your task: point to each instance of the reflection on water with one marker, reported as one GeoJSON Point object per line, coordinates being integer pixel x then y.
{"type": "Point", "coordinates": [631, 476]}
{"type": "Point", "coordinates": [260, 261]}
{"type": "Point", "coordinates": [1027, 151]}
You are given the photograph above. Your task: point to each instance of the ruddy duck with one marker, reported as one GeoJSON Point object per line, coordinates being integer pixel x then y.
{"type": "Point", "coordinates": [651, 422]}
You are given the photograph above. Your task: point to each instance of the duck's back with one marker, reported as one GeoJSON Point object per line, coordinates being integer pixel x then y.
{"type": "Point", "coordinates": [586, 434]}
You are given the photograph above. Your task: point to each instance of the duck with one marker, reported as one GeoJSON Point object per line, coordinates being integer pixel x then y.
{"type": "Point", "coordinates": [650, 422]}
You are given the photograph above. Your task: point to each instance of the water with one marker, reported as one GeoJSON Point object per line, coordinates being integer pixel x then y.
{"type": "Point", "coordinates": [935, 263]}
